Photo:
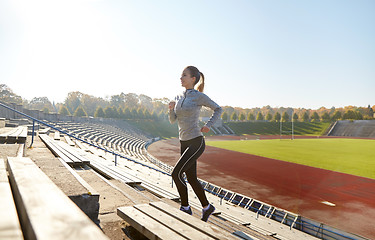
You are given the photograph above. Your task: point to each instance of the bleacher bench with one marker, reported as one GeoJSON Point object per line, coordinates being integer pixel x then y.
{"type": "Point", "coordinates": [159, 220]}
{"type": "Point", "coordinates": [9, 225]}
{"type": "Point", "coordinates": [44, 211]}
{"type": "Point", "coordinates": [60, 149]}
{"type": "Point", "coordinates": [16, 135]}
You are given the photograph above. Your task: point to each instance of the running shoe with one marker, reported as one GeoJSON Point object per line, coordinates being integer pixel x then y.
{"type": "Point", "coordinates": [188, 211]}
{"type": "Point", "coordinates": [207, 213]}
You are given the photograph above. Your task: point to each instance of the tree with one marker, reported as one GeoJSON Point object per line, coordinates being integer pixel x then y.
{"type": "Point", "coordinates": [73, 101]}
{"type": "Point", "coordinates": [295, 117]}
{"type": "Point", "coordinates": [233, 117]}
{"type": "Point", "coordinates": [305, 117]}
{"type": "Point", "coordinates": [336, 115]}
{"type": "Point", "coordinates": [358, 115]}
{"type": "Point", "coordinates": [260, 116]}
{"type": "Point", "coordinates": [269, 117]}
{"type": "Point", "coordinates": [162, 115]}
{"type": "Point", "coordinates": [277, 117]}
{"type": "Point", "coordinates": [315, 117]}
{"type": "Point", "coordinates": [99, 112]}
{"type": "Point", "coordinates": [108, 112]}
{"type": "Point", "coordinates": [370, 111]}
{"type": "Point", "coordinates": [140, 113]}
{"type": "Point", "coordinates": [80, 112]}
{"type": "Point", "coordinates": [117, 100]}
{"type": "Point", "coordinates": [349, 114]}
{"type": "Point", "coordinates": [285, 117]}
{"type": "Point", "coordinates": [242, 117]}
{"type": "Point", "coordinates": [145, 101]}
{"type": "Point", "coordinates": [64, 111]}
{"type": "Point", "coordinates": [115, 112]}
{"type": "Point", "coordinates": [326, 117]}
{"type": "Point", "coordinates": [146, 114]}
{"type": "Point", "coordinates": [91, 103]}
{"type": "Point", "coordinates": [39, 103]}
{"type": "Point", "coordinates": [7, 95]}
{"type": "Point", "coordinates": [250, 117]}
{"type": "Point", "coordinates": [127, 113]}
{"type": "Point", "coordinates": [45, 110]}
{"type": "Point", "coordinates": [131, 100]}
{"type": "Point", "coordinates": [120, 113]}
{"type": "Point", "coordinates": [134, 114]}
{"type": "Point", "coordinates": [224, 116]}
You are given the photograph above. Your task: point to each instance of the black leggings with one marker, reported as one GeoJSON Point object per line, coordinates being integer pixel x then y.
{"type": "Point", "coordinates": [190, 152]}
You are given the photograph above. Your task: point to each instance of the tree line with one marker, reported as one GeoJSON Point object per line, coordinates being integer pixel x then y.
{"type": "Point", "coordinates": [133, 106]}
{"type": "Point", "coordinates": [323, 114]}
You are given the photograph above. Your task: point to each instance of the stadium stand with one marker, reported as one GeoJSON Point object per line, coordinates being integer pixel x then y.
{"type": "Point", "coordinates": [354, 128]}
{"type": "Point", "coordinates": [118, 151]}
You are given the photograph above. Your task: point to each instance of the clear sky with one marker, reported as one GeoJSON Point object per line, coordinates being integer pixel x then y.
{"type": "Point", "coordinates": [282, 53]}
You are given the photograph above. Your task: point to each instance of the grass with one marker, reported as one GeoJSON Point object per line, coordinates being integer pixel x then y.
{"type": "Point", "coordinates": [273, 128]}
{"type": "Point", "coordinates": [352, 156]}
{"type": "Point", "coordinates": [161, 129]}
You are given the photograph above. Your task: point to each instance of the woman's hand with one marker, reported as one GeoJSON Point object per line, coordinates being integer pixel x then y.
{"type": "Point", "coordinates": [205, 129]}
{"type": "Point", "coordinates": [171, 105]}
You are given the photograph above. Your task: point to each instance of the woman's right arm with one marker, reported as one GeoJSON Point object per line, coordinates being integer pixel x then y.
{"type": "Point", "coordinates": [172, 114]}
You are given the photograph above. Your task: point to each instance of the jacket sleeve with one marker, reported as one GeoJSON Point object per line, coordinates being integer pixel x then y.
{"type": "Point", "coordinates": [172, 116]}
{"type": "Point", "coordinates": [207, 102]}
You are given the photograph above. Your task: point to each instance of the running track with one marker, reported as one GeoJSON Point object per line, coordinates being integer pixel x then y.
{"type": "Point", "coordinates": [296, 188]}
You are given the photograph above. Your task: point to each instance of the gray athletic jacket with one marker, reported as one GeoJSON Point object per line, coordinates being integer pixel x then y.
{"type": "Point", "coordinates": [186, 111]}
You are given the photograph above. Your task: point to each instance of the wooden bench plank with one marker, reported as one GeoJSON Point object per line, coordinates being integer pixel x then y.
{"type": "Point", "coordinates": [173, 222]}
{"type": "Point", "coordinates": [71, 153]}
{"type": "Point", "coordinates": [22, 134]}
{"type": "Point", "coordinates": [15, 135]}
{"type": "Point", "coordinates": [44, 130]}
{"type": "Point", "coordinates": [69, 141]}
{"type": "Point", "coordinates": [45, 211]}
{"type": "Point", "coordinates": [56, 135]}
{"type": "Point", "coordinates": [54, 149]}
{"type": "Point", "coordinates": [9, 224]}
{"type": "Point", "coordinates": [63, 150]}
{"type": "Point", "coordinates": [207, 228]}
{"type": "Point", "coordinates": [81, 146]}
{"type": "Point", "coordinates": [149, 227]}
{"type": "Point", "coordinates": [10, 132]}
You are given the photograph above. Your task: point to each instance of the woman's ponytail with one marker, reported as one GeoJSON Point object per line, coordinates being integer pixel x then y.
{"type": "Point", "coordinates": [200, 86]}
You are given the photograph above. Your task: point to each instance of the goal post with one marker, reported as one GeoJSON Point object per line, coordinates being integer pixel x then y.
{"type": "Point", "coordinates": [287, 132]}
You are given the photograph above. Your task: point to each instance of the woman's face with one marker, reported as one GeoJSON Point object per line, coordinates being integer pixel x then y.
{"type": "Point", "coordinates": [186, 80]}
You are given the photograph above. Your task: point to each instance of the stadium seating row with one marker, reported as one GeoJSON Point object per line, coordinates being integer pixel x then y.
{"type": "Point", "coordinates": [107, 137]}
{"type": "Point", "coordinates": [31, 200]}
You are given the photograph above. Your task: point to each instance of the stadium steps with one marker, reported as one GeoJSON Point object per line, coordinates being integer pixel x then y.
{"type": "Point", "coordinates": [356, 128]}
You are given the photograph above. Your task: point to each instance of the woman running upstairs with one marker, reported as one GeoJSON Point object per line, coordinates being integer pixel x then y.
{"type": "Point", "coordinates": [185, 109]}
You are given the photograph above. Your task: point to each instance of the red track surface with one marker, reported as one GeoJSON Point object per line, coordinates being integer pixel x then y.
{"type": "Point", "coordinates": [296, 188]}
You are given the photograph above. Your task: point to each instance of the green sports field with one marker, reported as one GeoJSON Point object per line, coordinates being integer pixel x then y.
{"type": "Point", "coordinates": [352, 156]}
